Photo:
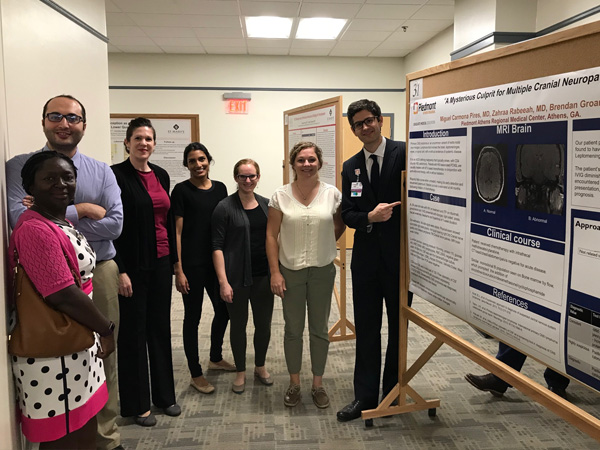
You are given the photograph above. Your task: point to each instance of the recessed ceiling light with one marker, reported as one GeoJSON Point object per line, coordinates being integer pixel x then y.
{"type": "Point", "coordinates": [320, 28]}
{"type": "Point", "coordinates": [269, 27]}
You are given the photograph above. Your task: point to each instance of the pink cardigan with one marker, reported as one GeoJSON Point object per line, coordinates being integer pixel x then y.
{"type": "Point", "coordinates": [41, 246]}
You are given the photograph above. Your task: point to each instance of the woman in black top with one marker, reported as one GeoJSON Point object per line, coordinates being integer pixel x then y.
{"type": "Point", "coordinates": [239, 227]}
{"type": "Point", "coordinates": [145, 255]}
{"type": "Point", "coordinates": [193, 203]}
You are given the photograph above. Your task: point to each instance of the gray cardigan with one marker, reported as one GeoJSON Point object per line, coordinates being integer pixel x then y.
{"type": "Point", "coordinates": [231, 234]}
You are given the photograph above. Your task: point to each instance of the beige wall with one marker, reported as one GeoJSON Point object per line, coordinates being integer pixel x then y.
{"type": "Point", "coordinates": [45, 54]}
{"type": "Point", "coordinates": [473, 19]}
{"type": "Point", "coordinates": [8, 427]}
{"type": "Point", "coordinates": [260, 133]}
{"type": "Point", "coordinates": [432, 53]}
{"type": "Point", "coordinates": [550, 12]}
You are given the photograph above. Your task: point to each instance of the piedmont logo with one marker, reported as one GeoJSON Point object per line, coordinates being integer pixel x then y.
{"type": "Point", "coordinates": [426, 108]}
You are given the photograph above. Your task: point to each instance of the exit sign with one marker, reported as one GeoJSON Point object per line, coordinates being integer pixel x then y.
{"type": "Point", "coordinates": [237, 106]}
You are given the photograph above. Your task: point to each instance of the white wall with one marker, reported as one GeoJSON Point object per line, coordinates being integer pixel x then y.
{"type": "Point", "coordinates": [44, 54]}
{"type": "Point", "coordinates": [433, 53]}
{"type": "Point", "coordinates": [473, 19]}
{"type": "Point", "coordinates": [550, 12]}
{"type": "Point", "coordinates": [8, 427]}
{"type": "Point", "coordinates": [259, 134]}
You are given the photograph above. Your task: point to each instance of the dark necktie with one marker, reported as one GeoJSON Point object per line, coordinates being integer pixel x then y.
{"type": "Point", "coordinates": [374, 174]}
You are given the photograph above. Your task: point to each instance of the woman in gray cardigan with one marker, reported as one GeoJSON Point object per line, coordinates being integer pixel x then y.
{"type": "Point", "coordinates": [239, 225]}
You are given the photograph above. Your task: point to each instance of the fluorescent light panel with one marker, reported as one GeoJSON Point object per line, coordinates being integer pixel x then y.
{"type": "Point", "coordinates": [269, 27]}
{"type": "Point", "coordinates": [320, 28]}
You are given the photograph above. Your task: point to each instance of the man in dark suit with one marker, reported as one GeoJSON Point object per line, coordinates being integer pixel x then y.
{"type": "Point", "coordinates": [371, 186]}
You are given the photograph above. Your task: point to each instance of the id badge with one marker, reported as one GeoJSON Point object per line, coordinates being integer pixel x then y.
{"type": "Point", "coordinates": [356, 189]}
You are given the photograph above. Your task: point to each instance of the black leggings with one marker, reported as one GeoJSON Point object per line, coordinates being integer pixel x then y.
{"type": "Point", "coordinates": [200, 278]}
{"type": "Point", "coordinates": [261, 301]}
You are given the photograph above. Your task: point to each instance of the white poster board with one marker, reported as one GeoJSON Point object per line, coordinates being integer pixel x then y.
{"type": "Point", "coordinates": [318, 126]}
{"type": "Point", "coordinates": [504, 214]}
{"type": "Point", "coordinates": [173, 134]}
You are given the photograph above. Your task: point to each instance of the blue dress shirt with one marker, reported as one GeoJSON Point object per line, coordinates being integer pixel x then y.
{"type": "Point", "coordinates": [96, 184]}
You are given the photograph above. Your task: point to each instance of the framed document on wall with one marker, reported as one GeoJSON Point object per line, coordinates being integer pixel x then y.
{"type": "Point", "coordinates": [173, 133]}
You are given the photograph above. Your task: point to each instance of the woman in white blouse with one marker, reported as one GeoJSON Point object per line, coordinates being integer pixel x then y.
{"type": "Point", "coordinates": [304, 223]}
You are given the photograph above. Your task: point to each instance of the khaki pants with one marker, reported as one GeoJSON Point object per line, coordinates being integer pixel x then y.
{"type": "Point", "coordinates": [307, 289]}
{"type": "Point", "coordinates": [106, 289]}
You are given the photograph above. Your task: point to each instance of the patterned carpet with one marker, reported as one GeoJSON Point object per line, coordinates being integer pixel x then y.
{"type": "Point", "coordinates": [467, 419]}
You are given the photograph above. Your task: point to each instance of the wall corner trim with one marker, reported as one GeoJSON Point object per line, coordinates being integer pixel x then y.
{"type": "Point", "coordinates": [73, 18]}
{"type": "Point", "coordinates": [505, 37]}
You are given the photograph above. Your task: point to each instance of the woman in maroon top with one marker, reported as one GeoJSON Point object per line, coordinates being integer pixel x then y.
{"type": "Point", "coordinates": [145, 256]}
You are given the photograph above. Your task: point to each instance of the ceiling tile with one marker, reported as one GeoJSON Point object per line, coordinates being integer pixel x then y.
{"type": "Point", "coordinates": [140, 49]}
{"type": "Point", "coordinates": [310, 43]}
{"type": "Point", "coordinates": [216, 50]}
{"type": "Point", "coordinates": [391, 45]}
{"type": "Point", "coordinates": [397, 2]}
{"type": "Point", "coordinates": [441, 2]}
{"type": "Point", "coordinates": [223, 43]}
{"type": "Point", "coordinates": [278, 9]}
{"type": "Point", "coordinates": [192, 26]}
{"type": "Point", "coordinates": [215, 7]}
{"type": "Point", "coordinates": [145, 6]}
{"type": "Point", "coordinates": [118, 19]}
{"type": "Point", "coordinates": [110, 7]}
{"type": "Point", "coordinates": [411, 36]}
{"type": "Point", "coordinates": [268, 51]}
{"type": "Point", "coordinates": [334, 10]}
{"type": "Point", "coordinates": [357, 45]}
{"type": "Point", "coordinates": [337, 2]}
{"type": "Point", "coordinates": [113, 49]}
{"type": "Point", "coordinates": [268, 43]}
{"type": "Point", "coordinates": [172, 32]}
{"type": "Point", "coordinates": [375, 24]}
{"type": "Point", "coordinates": [428, 25]}
{"type": "Point", "coordinates": [431, 12]}
{"type": "Point", "coordinates": [131, 40]}
{"type": "Point", "coordinates": [309, 52]}
{"type": "Point", "coordinates": [235, 33]}
{"type": "Point", "coordinates": [180, 20]}
{"type": "Point", "coordinates": [188, 50]}
{"type": "Point", "coordinates": [176, 42]}
{"type": "Point", "coordinates": [114, 31]}
{"type": "Point", "coordinates": [350, 52]}
{"type": "Point", "coordinates": [388, 53]}
{"type": "Point", "coordinates": [365, 36]}
{"type": "Point", "coordinates": [387, 11]}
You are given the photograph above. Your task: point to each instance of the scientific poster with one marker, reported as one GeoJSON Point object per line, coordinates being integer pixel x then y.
{"type": "Point", "coordinates": [504, 214]}
{"type": "Point", "coordinates": [316, 126]}
{"type": "Point", "coordinates": [172, 136]}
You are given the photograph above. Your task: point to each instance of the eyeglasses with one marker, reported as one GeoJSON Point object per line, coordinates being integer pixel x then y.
{"type": "Point", "coordinates": [368, 122]}
{"type": "Point", "coordinates": [247, 177]}
{"type": "Point", "coordinates": [57, 117]}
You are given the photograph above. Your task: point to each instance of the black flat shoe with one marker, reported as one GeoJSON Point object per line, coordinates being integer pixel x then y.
{"type": "Point", "coordinates": [351, 411]}
{"type": "Point", "coordinates": [173, 410]}
{"type": "Point", "coordinates": [148, 421]}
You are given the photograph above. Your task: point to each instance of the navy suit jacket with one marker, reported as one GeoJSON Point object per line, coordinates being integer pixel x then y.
{"type": "Point", "coordinates": [383, 240]}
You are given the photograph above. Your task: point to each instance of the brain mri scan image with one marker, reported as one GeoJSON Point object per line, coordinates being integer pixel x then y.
{"type": "Point", "coordinates": [540, 178]}
{"type": "Point", "coordinates": [489, 174]}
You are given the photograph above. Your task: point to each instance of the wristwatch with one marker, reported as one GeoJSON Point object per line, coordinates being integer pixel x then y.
{"type": "Point", "coordinates": [111, 330]}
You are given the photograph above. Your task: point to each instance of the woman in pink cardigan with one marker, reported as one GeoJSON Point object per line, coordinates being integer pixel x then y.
{"type": "Point", "coordinates": [59, 397]}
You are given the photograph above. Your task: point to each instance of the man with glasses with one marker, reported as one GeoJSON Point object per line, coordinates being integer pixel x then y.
{"type": "Point", "coordinates": [97, 213]}
{"type": "Point", "coordinates": [371, 187]}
